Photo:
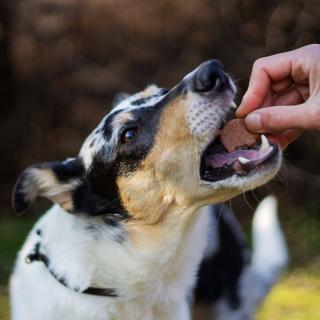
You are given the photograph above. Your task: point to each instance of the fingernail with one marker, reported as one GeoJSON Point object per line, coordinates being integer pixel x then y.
{"type": "Point", "coordinates": [254, 122]}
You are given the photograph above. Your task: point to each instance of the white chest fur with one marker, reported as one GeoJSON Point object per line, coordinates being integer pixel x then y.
{"type": "Point", "coordinates": [153, 279]}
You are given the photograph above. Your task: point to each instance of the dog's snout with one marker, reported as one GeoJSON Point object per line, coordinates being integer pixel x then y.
{"type": "Point", "coordinates": [210, 77]}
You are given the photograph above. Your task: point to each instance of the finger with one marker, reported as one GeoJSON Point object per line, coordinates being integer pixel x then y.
{"type": "Point", "coordinates": [282, 85]}
{"type": "Point", "coordinates": [264, 71]}
{"type": "Point", "coordinates": [304, 91]}
{"type": "Point", "coordinates": [290, 97]}
{"type": "Point", "coordinates": [285, 138]}
{"type": "Point", "coordinates": [279, 118]}
{"type": "Point", "coordinates": [268, 100]}
{"type": "Point", "coordinates": [296, 95]}
{"type": "Point", "coordinates": [257, 92]}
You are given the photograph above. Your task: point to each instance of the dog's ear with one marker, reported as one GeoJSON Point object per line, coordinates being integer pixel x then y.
{"type": "Point", "coordinates": [55, 181]}
{"type": "Point", "coordinates": [119, 97]}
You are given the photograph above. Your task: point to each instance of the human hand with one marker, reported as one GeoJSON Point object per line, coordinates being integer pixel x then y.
{"type": "Point", "coordinates": [283, 97]}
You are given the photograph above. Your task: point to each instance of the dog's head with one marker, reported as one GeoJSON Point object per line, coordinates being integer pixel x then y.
{"type": "Point", "coordinates": [150, 154]}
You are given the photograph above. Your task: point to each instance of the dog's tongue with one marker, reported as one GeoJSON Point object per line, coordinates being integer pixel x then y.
{"type": "Point", "coordinates": [235, 134]}
{"type": "Point", "coordinates": [239, 142]}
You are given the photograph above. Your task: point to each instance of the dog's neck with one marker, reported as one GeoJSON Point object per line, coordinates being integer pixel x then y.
{"type": "Point", "coordinates": [138, 261]}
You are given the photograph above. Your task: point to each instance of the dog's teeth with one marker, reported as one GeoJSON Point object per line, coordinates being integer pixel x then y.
{"type": "Point", "coordinates": [243, 160]}
{"type": "Point", "coordinates": [264, 143]}
{"type": "Point", "coordinates": [233, 105]}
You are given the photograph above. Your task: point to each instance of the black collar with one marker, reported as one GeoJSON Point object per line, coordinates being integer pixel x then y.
{"type": "Point", "coordinates": [36, 255]}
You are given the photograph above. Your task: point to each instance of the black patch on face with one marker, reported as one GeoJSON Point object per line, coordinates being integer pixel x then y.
{"type": "Point", "coordinates": [219, 273]}
{"type": "Point", "coordinates": [68, 170]}
{"type": "Point", "coordinates": [107, 125]}
{"type": "Point", "coordinates": [131, 154]}
{"type": "Point", "coordinates": [98, 196]}
{"type": "Point", "coordinates": [86, 200]}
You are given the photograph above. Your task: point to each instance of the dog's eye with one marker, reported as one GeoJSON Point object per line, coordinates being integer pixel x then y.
{"type": "Point", "coordinates": [128, 135]}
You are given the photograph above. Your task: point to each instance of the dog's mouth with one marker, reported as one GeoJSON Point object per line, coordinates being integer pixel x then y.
{"type": "Point", "coordinates": [235, 151]}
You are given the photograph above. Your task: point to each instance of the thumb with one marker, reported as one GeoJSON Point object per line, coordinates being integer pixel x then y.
{"type": "Point", "coordinates": [279, 118]}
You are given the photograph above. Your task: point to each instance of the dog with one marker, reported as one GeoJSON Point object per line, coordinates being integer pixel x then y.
{"type": "Point", "coordinates": [129, 225]}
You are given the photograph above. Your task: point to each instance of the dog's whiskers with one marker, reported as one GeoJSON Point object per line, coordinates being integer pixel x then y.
{"type": "Point", "coordinates": [219, 215]}
{"type": "Point", "coordinates": [246, 201]}
{"type": "Point", "coordinates": [254, 195]}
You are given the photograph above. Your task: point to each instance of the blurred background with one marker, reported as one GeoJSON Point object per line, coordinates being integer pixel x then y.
{"type": "Point", "coordinates": [63, 61]}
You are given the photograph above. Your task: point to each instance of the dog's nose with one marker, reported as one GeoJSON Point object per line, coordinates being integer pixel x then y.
{"type": "Point", "coordinates": [210, 76]}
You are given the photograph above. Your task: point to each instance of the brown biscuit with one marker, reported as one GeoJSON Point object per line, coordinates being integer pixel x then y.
{"type": "Point", "coordinates": [235, 134]}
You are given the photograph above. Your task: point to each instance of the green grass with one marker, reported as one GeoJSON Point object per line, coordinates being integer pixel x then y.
{"type": "Point", "coordinates": [13, 232]}
{"type": "Point", "coordinates": [4, 304]}
{"type": "Point", "coordinates": [296, 297]}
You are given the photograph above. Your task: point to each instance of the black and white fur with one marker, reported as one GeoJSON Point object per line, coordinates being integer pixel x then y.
{"type": "Point", "coordinates": [232, 281]}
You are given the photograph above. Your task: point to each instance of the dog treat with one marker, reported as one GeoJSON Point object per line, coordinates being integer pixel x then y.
{"type": "Point", "coordinates": [235, 134]}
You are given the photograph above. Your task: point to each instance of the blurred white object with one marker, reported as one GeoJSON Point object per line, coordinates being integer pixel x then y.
{"type": "Point", "coordinates": [270, 254]}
